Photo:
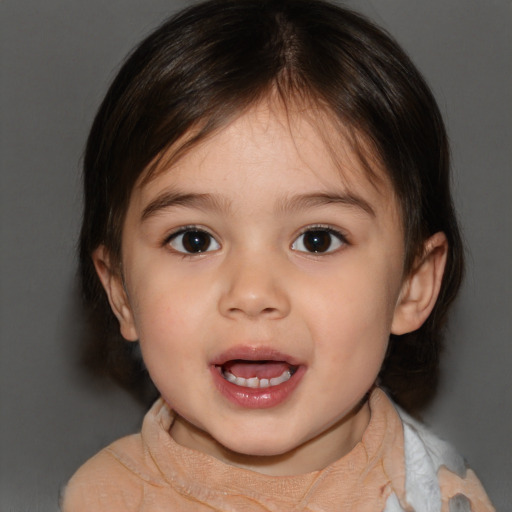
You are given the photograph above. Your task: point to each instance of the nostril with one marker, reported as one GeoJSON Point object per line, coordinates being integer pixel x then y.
{"type": "Point", "coordinates": [253, 312]}
{"type": "Point", "coordinates": [271, 312]}
{"type": "Point", "coordinates": [254, 298]}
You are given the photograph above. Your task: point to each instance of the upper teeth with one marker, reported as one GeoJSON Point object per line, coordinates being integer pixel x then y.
{"type": "Point", "coordinates": [255, 382]}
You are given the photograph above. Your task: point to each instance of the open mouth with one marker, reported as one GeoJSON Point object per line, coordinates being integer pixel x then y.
{"type": "Point", "coordinates": [256, 377]}
{"type": "Point", "coordinates": [256, 374]}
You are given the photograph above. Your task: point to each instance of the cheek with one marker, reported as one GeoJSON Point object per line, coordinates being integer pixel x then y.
{"type": "Point", "coordinates": [169, 342]}
{"type": "Point", "coordinates": [358, 298]}
{"type": "Point", "coordinates": [350, 315]}
{"type": "Point", "coordinates": [164, 319]}
{"type": "Point", "coordinates": [166, 309]}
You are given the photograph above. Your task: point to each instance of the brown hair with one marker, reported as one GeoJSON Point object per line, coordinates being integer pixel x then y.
{"type": "Point", "coordinates": [217, 58]}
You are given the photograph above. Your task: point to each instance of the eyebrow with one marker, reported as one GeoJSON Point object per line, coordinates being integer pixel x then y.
{"type": "Point", "coordinates": [173, 199]}
{"type": "Point", "coordinates": [306, 201]}
{"type": "Point", "coordinates": [292, 204]}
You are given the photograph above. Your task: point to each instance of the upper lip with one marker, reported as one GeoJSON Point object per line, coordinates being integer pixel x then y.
{"type": "Point", "coordinates": [253, 353]}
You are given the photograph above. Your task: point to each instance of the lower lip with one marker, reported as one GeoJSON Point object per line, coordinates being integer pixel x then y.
{"type": "Point", "coordinates": [256, 398]}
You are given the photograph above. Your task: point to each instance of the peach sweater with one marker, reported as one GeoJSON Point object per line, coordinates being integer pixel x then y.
{"type": "Point", "coordinates": [397, 466]}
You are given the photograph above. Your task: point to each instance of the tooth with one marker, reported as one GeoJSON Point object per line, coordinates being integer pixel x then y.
{"type": "Point", "coordinates": [264, 383]}
{"type": "Point", "coordinates": [282, 378]}
{"type": "Point", "coordinates": [253, 382]}
{"type": "Point", "coordinates": [229, 377]}
{"type": "Point", "coordinates": [240, 381]}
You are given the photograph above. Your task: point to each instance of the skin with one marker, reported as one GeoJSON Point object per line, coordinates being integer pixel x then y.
{"type": "Point", "coordinates": [266, 176]}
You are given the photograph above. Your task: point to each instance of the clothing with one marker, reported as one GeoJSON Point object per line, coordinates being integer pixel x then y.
{"type": "Point", "coordinates": [398, 466]}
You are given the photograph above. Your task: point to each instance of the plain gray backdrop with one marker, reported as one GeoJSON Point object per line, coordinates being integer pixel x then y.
{"type": "Point", "coordinates": [58, 57]}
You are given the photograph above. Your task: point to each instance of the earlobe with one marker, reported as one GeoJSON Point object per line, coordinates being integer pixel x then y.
{"type": "Point", "coordinates": [421, 288]}
{"type": "Point", "coordinates": [112, 283]}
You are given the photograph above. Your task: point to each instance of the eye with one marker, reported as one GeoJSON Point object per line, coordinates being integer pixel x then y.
{"type": "Point", "coordinates": [319, 240]}
{"type": "Point", "coordinates": [193, 241]}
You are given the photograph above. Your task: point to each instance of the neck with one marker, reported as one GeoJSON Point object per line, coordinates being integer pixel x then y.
{"type": "Point", "coordinates": [315, 454]}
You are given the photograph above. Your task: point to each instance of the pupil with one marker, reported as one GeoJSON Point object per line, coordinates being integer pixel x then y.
{"type": "Point", "coordinates": [317, 241]}
{"type": "Point", "coordinates": [196, 241]}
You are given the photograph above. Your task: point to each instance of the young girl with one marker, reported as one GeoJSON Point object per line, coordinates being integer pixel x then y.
{"type": "Point", "coordinates": [268, 214]}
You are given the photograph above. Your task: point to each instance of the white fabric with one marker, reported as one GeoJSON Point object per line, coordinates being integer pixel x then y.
{"type": "Point", "coordinates": [424, 455]}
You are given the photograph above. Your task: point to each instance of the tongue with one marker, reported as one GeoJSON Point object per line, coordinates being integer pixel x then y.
{"type": "Point", "coordinates": [260, 369]}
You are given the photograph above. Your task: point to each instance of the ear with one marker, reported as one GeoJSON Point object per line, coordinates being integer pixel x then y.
{"type": "Point", "coordinates": [112, 282]}
{"type": "Point", "coordinates": [421, 288]}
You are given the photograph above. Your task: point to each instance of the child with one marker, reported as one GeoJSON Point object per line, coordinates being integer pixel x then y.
{"type": "Point", "coordinates": [267, 210]}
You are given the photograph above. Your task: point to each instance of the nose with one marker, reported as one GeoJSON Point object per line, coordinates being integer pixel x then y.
{"type": "Point", "coordinates": [254, 288]}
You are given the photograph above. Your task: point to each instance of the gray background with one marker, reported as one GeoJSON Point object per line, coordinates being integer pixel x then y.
{"type": "Point", "coordinates": [57, 59]}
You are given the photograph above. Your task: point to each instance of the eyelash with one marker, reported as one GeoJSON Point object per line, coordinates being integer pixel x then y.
{"type": "Point", "coordinates": [191, 229]}
{"type": "Point", "coordinates": [333, 233]}
{"type": "Point", "coordinates": [340, 238]}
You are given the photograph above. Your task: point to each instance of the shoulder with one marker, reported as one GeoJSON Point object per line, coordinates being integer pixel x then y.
{"type": "Point", "coordinates": [434, 465]}
{"type": "Point", "coordinates": [109, 481]}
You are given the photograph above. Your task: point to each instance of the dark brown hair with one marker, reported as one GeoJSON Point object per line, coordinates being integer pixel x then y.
{"type": "Point", "coordinates": [214, 60]}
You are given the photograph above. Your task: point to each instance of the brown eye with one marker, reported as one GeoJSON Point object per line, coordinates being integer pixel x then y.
{"type": "Point", "coordinates": [192, 241]}
{"type": "Point", "coordinates": [318, 241]}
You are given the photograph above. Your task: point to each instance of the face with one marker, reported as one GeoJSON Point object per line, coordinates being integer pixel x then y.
{"type": "Point", "coordinates": [262, 279]}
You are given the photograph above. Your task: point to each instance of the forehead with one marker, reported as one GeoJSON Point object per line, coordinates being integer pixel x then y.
{"type": "Point", "coordinates": [303, 147]}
